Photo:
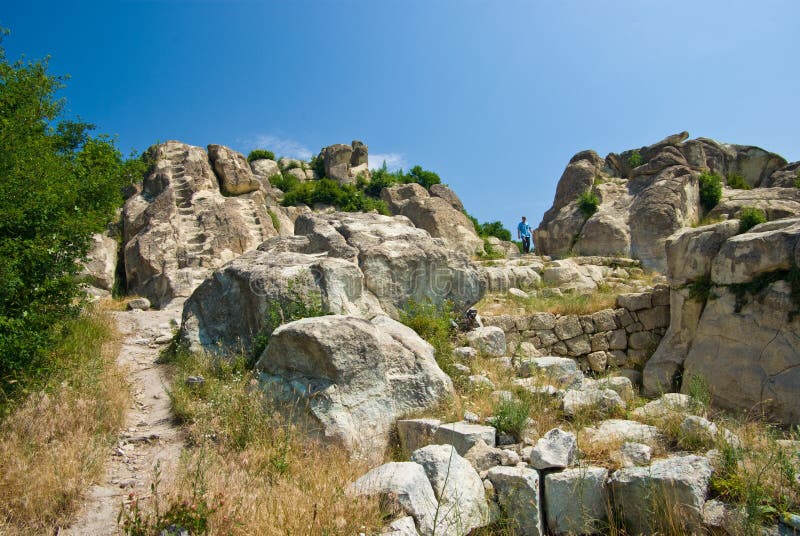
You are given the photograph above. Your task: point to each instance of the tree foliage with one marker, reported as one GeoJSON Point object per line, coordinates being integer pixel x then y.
{"type": "Point", "coordinates": [59, 184]}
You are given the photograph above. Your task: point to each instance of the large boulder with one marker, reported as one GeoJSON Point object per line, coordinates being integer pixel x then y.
{"type": "Point", "coordinates": [734, 318]}
{"type": "Point", "coordinates": [518, 494]}
{"type": "Point", "coordinates": [344, 163]}
{"type": "Point", "coordinates": [355, 263]}
{"type": "Point", "coordinates": [674, 488]}
{"type": "Point", "coordinates": [233, 171]}
{"type": "Point", "coordinates": [406, 485]}
{"type": "Point", "coordinates": [446, 193]}
{"type": "Point", "coordinates": [458, 488]}
{"type": "Point", "coordinates": [180, 226]}
{"type": "Point", "coordinates": [434, 214]}
{"type": "Point", "coordinates": [775, 202]}
{"type": "Point", "coordinates": [353, 378]}
{"type": "Point", "coordinates": [576, 500]}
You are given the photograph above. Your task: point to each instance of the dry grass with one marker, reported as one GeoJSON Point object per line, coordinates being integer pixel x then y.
{"type": "Point", "coordinates": [53, 444]}
{"type": "Point", "coordinates": [248, 470]}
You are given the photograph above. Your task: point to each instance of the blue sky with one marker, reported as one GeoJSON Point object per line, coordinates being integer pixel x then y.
{"type": "Point", "coordinates": [494, 96]}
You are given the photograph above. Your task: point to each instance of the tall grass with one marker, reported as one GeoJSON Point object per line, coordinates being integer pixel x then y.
{"type": "Point", "coordinates": [248, 470]}
{"type": "Point", "coordinates": [53, 443]}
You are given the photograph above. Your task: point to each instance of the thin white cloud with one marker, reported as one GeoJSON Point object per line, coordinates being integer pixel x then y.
{"type": "Point", "coordinates": [394, 161]}
{"type": "Point", "coordinates": [280, 146]}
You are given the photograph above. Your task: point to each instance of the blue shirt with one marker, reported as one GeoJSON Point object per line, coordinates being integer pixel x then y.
{"type": "Point", "coordinates": [524, 229]}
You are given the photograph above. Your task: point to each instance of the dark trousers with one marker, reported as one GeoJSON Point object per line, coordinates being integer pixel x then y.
{"type": "Point", "coordinates": [526, 244]}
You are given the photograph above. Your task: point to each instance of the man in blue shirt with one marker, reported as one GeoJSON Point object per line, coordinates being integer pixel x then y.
{"type": "Point", "coordinates": [524, 234]}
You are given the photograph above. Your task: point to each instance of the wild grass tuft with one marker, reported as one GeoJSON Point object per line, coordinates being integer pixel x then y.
{"type": "Point", "coordinates": [53, 443]}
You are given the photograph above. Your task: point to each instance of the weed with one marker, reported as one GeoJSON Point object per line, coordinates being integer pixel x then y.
{"type": "Point", "coordinates": [53, 442]}
{"type": "Point", "coordinates": [276, 223]}
{"type": "Point", "coordinates": [737, 181]}
{"type": "Point", "coordinates": [710, 185]}
{"type": "Point", "coordinates": [749, 217]}
{"type": "Point", "coordinates": [511, 416]}
{"type": "Point", "coordinates": [635, 159]}
{"type": "Point", "coordinates": [700, 289]}
{"type": "Point", "coordinates": [588, 203]}
{"type": "Point", "coordinates": [433, 323]}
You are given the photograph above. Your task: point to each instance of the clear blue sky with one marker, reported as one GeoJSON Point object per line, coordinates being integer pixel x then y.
{"type": "Point", "coordinates": [494, 96]}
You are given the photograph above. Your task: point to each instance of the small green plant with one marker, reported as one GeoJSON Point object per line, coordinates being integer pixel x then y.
{"type": "Point", "coordinates": [588, 203]}
{"type": "Point", "coordinates": [797, 179]}
{"type": "Point", "coordinates": [433, 323]}
{"type": "Point", "coordinates": [737, 181]}
{"type": "Point", "coordinates": [191, 514]}
{"type": "Point", "coordinates": [303, 301]}
{"type": "Point", "coordinates": [635, 159]}
{"type": "Point", "coordinates": [284, 183]}
{"type": "Point", "coordinates": [489, 253]}
{"type": "Point", "coordinates": [749, 217]}
{"type": "Point", "coordinates": [276, 223]}
{"type": "Point", "coordinates": [260, 154]}
{"type": "Point", "coordinates": [699, 391]}
{"type": "Point", "coordinates": [511, 416]}
{"type": "Point", "coordinates": [700, 289]}
{"type": "Point", "coordinates": [710, 189]}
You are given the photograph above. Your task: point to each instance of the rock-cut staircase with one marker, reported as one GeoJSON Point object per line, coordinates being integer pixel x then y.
{"type": "Point", "coordinates": [194, 238]}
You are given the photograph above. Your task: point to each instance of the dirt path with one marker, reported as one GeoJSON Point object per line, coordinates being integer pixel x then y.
{"type": "Point", "coordinates": [150, 435]}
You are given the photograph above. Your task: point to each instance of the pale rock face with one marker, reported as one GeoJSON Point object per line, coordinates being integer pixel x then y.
{"type": "Point", "coordinates": [784, 177]}
{"type": "Point", "coordinates": [556, 449]}
{"type": "Point", "coordinates": [517, 492]}
{"type": "Point", "coordinates": [180, 227]}
{"type": "Point", "coordinates": [621, 430]}
{"type": "Point", "coordinates": [576, 400]}
{"type": "Point", "coordinates": [490, 340]}
{"type": "Point", "coordinates": [356, 263]}
{"type": "Point", "coordinates": [434, 214]}
{"type": "Point", "coordinates": [416, 433]}
{"type": "Point", "coordinates": [233, 171]}
{"type": "Point", "coordinates": [463, 436]}
{"type": "Point", "coordinates": [576, 500]}
{"type": "Point", "coordinates": [446, 193]}
{"type": "Point", "coordinates": [634, 454]}
{"type": "Point", "coordinates": [680, 482]}
{"type": "Point", "coordinates": [664, 406]}
{"type": "Point", "coordinates": [776, 203]}
{"type": "Point", "coordinates": [264, 168]}
{"type": "Point", "coordinates": [101, 265]}
{"type": "Point", "coordinates": [355, 377]}
{"type": "Point", "coordinates": [458, 488]}
{"type": "Point", "coordinates": [407, 485]}
{"type": "Point", "coordinates": [344, 163]}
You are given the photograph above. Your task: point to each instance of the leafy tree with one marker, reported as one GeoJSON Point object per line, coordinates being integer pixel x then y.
{"type": "Point", "coordinates": [258, 154]}
{"type": "Point", "coordinates": [424, 177]}
{"type": "Point", "coordinates": [58, 186]}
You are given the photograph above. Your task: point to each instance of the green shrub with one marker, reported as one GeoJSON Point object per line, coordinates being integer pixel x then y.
{"type": "Point", "coordinates": [59, 185]}
{"type": "Point", "coordinates": [737, 181]}
{"type": "Point", "coordinates": [423, 176]}
{"type": "Point", "coordinates": [276, 223]}
{"type": "Point", "coordinates": [797, 179]}
{"type": "Point", "coordinates": [710, 190]}
{"type": "Point", "coordinates": [487, 229]}
{"type": "Point", "coordinates": [347, 197]}
{"type": "Point", "coordinates": [511, 416]}
{"type": "Point", "coordinates": [432, 322]}
{"type": "Point", "coordinates": [259, 154]}
{"type": "Point", "coordinates": [317, 165]}
{"type": "Point", "coordinates": [635, 159]}
{"type": "Point", "coordinates": [749, 217]}
{"type": "Point", "coordinates": [588, 203]}
{"type": "Point", "coordinates": [284, 183]}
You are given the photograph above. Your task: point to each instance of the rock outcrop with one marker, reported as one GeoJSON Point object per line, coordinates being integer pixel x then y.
{"type": "Point", "coordinates": [353, 377]}
{"type": "Point", "coordinates": [434, 213]}
{"type": "Point", "coordinates": [356, 263]}
{"type": "Point", "coordinates": [180, 226]}
{"type": "Point", "coordinates": [344, 163]}
{"type": "Point", "coordinates": [100, 267]}
{"type": "Point", "coordinates": [734, 325]}
{"type": "Point", "coordinates": [647, 194]}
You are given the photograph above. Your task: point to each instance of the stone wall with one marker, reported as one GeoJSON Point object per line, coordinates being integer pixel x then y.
{"type": "Point", "coordinates": [624, 337]}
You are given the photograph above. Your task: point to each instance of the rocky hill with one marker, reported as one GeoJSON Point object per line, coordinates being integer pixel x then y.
{"type": "Point", "coordinates": [642, 196]}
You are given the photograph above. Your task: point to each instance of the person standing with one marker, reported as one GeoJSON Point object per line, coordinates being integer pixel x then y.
{"type": "Point", "coordinates": [524, 234]}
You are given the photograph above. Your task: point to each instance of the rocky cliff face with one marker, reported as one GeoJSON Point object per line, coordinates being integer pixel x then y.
{"type": "Point", "coordinates": [647, 194]}
{"type": "Point", "coordinates": [735, 300]}
{"type": "Point", "coordinates": [195, 211]}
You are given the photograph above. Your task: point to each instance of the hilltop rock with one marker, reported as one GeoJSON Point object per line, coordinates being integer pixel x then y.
{"type": "Point", "coordinates": [734, 317]}
{"type": "Point", "coordinates": [344, 163]}
{"type": "Point", "coordinates": [233, 171]}
{"type": "Point", "coordinates": [434, 214]}
{"type": "Point", "coordinates": [355, 263]}
{"type": "Point", "coordinates": [446, 193]}
{"type": "Point", "coordinates": [180, 227]}
{"type": "Point", "coordinates": [640, 207]}
{"type": "Point", "coordinates": [354, 377]}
